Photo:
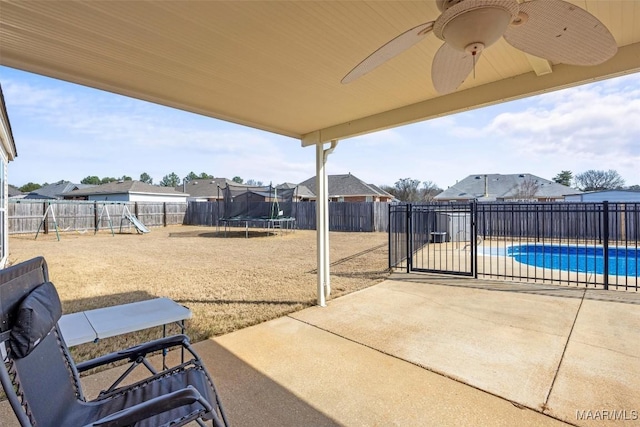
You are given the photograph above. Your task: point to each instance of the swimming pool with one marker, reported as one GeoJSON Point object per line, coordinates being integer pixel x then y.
{"type": "Point", "coordinates": [585, 259]}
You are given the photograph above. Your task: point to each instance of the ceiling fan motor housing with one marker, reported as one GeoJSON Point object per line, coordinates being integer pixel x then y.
{"type": "Point", "coordinates": [478, 22]}
{"type": "Point", "coordinates": [446, 4]}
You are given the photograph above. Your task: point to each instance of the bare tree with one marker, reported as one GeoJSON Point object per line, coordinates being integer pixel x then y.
{"type": "Point", "coordinates": [405, 190]}
{"type": "Point", "coordinates": [430, 190]}
{"type": "Point", "coordinates": [526, 190]}
{"type": "Point", "coordinates": [596, 180]}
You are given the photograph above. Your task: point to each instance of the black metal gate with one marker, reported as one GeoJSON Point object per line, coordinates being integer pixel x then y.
{"type": "Point", "coordinates": [589, 244]}
{"type": "Point", "coordinates": [433, 238]}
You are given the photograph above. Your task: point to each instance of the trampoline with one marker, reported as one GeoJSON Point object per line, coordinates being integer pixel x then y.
{"type": "Point", "coordinates": [266, 207]}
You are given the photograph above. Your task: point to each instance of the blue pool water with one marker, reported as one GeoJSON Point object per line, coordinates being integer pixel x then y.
{"type": "Point", "coordinates": [584, 259]}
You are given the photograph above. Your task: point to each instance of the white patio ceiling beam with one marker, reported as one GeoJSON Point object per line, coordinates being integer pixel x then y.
{"type": "Point", "coordinates": [626, 61]}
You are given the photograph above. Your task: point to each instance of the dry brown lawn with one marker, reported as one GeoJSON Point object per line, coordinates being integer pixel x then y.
{"type": "Point", "coordinates": [228, 283]}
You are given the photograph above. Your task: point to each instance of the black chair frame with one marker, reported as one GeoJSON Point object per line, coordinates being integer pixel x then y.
{"type": "Point", "coordinates": [42, 382]}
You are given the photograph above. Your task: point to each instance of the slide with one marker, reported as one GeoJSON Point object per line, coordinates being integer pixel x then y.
{"type": "Point", "coordinates": [137, 224]}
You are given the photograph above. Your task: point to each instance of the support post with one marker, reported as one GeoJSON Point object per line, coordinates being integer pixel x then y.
{"type": "Point", "coordinates": [322, 222]}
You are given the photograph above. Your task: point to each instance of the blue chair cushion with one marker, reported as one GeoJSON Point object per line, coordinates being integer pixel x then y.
{"type": "Point", "coordinates": [37, 315]}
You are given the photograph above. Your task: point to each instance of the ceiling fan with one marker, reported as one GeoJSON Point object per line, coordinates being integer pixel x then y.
{"type": "Point", "coordinates": [551, 29]}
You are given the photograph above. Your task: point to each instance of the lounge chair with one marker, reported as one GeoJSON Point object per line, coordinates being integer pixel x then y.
{"type": "Point", "coordinates": [42, 382]}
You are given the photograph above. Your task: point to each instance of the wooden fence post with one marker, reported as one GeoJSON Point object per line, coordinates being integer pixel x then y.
{"type": "Point", "coordinates": [164, 214]}
{"type": "Point", "coordinates": [95, 216]}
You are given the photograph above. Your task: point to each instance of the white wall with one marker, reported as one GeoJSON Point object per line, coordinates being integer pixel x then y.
{"type": "Point", "coordinates": [110, 198]}
{"type": "Point", "coordinates": [126, 197]}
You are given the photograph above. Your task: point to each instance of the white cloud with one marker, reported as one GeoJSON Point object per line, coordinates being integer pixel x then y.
{"type": "Point", "coordinates": [582, 124]}
{"type": "Point", "coordinates": [87, 132]}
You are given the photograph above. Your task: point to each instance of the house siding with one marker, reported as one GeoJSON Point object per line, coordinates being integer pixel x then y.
{"type": "Point", "coordinates": [610, 196]}
{"type": "Point", "coordinates": [359, 199]}
{"type": "Point", "coordinates": [4, 207]}
{"type": "Point", "coordinates": [8, 152]}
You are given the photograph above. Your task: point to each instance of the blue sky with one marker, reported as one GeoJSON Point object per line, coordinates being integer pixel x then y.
{"type": "Point", "coordinates": [66, 131]}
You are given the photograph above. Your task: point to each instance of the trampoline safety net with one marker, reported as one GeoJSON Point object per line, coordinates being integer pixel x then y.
{"type": "Point", "coordinates": [247, 203]}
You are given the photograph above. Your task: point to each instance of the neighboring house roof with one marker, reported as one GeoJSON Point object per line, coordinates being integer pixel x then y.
{"type": "Point", "coordinates": [55, 191]}
{"type": "Point", "coordinates": [381, 191]}
{"type": "Point", "coordinates": [122, 187]}
{"type": "Point", "coordinates": [347, 185]}
{"type": "Point", "coordinates": [302, 191]}
{"type": "Point", "coordinates": [287, 185]}
{"type": "Point", "coordinates": [14, 191]}
{"type": "Point", "coordinates": [205, 188]}
{"type": "Point", "coordinates": [498, 186]}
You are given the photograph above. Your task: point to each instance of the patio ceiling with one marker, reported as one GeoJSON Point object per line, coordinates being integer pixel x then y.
{"type": "Point", "coordinates": [276, 65]}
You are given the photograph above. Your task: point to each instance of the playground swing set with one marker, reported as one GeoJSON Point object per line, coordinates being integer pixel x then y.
{"type": "Point", "coordinates": [126, 216]}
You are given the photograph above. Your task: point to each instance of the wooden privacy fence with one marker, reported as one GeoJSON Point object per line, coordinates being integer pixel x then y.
{"type": "Point", "coordinates": [25, 216]}
{"type": "Point", "coordinates": [343, 216]}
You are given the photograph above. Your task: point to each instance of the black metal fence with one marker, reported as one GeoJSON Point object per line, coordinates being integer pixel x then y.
{"type": "Point", "coordinates": [590, 244]}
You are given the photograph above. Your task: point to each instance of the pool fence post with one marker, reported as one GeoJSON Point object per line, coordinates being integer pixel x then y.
{"type": "Point", "coordinates": [474, 238]}
{"type": "Point", "coordinates": [409, 239]}
{"type": "Point", "coordinates": [605, 242]}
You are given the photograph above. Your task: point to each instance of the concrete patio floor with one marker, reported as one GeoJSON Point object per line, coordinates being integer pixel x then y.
{"type": "Point", "coordinates": [426, 350]}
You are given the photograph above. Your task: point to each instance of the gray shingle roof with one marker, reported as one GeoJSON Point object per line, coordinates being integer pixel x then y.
{"type": "Point", "coordinates": [55, 191]}
{"type": "Point", "coordinates": [205, 188]}
{"type": "Point", "coordinates": [120, 187]}
{"type": "Point", "coordinates": [301, 190]}
{"type": "Point", "coordinates": [286, 185]}
{"type": "Point", "coordinates": [346, 185]}
{"type": "Point", "coordinates": [500, 186]}
{"type": "Point", "coordinates": [14, 191]}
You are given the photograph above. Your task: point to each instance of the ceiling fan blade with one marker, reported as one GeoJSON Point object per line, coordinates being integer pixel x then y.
{"type": "Point", "coordinates": [561, 32]}
{"type": "Point", "coordinates": [393, 48]}
{"type": "Point", "coordinates": [450, 68]}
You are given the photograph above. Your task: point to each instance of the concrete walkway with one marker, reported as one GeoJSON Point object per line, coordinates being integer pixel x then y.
{"type": "Point", "coordinates": [422, 350]}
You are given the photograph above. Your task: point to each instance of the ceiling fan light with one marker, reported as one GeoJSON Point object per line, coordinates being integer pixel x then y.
{"type": "Point", "coordinates": [483, 25]}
